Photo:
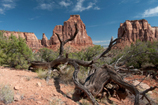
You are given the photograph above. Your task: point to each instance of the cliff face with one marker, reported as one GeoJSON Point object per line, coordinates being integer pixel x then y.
{"type": "Point", "coordinates": [44, 41]}
{"type": "Point", "coordinates": [30, 38]}
{"type": "Point", "coordinates": [68, 29]}
{"type": "Point", "coordinates": [137, 29]}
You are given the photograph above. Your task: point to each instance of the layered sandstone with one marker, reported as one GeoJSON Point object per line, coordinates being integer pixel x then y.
{"type": "Point", "coordinates": [68, 29]}
{"type": "Point", "coordinates": [44, 41]}
{"type": "Point", "coordinates": [30, 38]}
{"type": "Point", "coordinates": [137, 30]}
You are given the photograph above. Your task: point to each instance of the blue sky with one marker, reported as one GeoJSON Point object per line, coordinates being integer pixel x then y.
{"type": "Point", "coordinates": [101, 17]}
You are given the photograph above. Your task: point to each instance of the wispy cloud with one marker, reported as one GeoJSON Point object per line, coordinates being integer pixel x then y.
{"type": "Point", "coordinates": [45, 5]}
{"type": "Point", "coordinates": [100, 41]}
{"type": "Point", "coordinates": [127, 1]}
{"type": "Point", "coordinates": [152, 1]}
{"type": "Point", "coordinates": [96, 8]}
{"type": "Point", "coordinates": [65, 4]}
{"type": "Point", "coordinates": [33, 18]}
{"type": "Point", "coordinates": [79, 6]}
{"type": "Point", "coordinates": [93, 26]}
{"type": "Point", "coordinates": [6, 5]}
{"type": "Point", "coordinates": [149, 13]}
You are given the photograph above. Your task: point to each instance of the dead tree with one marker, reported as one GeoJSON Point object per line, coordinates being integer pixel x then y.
{"type": "Point", "coordinates": [98, 76]}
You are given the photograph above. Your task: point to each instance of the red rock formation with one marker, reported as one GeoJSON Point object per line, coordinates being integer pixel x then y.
{"type": "Point", "coordinates": [31, 38]}
{"type": "Point", "coordinates": [137, 29]}
{"type": "Point", "coordinates": [68, 29]}
{"type": "Point", "coordinates": [45, 41]}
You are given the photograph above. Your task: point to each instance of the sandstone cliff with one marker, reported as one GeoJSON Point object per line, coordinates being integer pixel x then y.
{"type": "Point", "coordinates": [137, 29]}
{"type": "Point", "coordinates": [44, 41]}
{"type": "Point", "coordinates": [30, 38]}
{"type": "Point", "coordinates": [68, 29]}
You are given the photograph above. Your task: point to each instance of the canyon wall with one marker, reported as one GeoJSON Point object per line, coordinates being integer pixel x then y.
{"type": "Point", "coordinates": [137, 30]}
{"type": "Point", "coordinates": [66, 31]}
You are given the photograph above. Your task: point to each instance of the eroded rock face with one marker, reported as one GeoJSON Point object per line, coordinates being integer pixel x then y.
{"type": "Point", "coordinates": [30, 38]}
{"type": "Point", "coordinates": [68, 29]}
{"type": "Point", "coordinates": [137, 29]}
{"type": "Point", "coordinates": [45, 41]}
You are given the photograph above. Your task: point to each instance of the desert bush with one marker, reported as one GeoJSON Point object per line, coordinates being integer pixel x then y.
{"type": "Point", "coordinates": [88, 53]}
{"type": "Point", "coordinates": [14, 52]}
{"type": "Point", "coordinates": [46, 55]}
{"type": "Point", "coordinates": [139, 54]}
{"type": "Point", "coordinates": [42, 74]}
{"type": "Point", "coordinates": [6, 94]}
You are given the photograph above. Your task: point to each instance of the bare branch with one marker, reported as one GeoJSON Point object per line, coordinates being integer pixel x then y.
{"type": "Point", "coordinates": [58, 37]}
{"type": "Point", "coordinates": [141, 81]}
{"type": "Point", "coordinates": [107, 50]}
{"type": "Point", "coordinates": [73, 35]}
{"type": "Point", "coordinates": [77, 83]}
{"type": "Point", "coordinates": [117, 62]}
{"type": "Point", "coordinates": [62, 43]}
{"type": "Point", "coordinates": [146, 91]}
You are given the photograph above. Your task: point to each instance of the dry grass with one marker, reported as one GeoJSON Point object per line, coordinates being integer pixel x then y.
{"type": "Point", "coordinates": [6, 94]}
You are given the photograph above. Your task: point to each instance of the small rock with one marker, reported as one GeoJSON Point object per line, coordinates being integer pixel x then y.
{"type": "Point", "coordinates": [16, 87]}
{"type": "Point", "coordinates": [17, 97]}
{"type": "Point", "coordinates": [38, 84]}
{"type": "Point", "coordinates": [38, 102]}
{"type": "Point", "coordinates": [142, 86]}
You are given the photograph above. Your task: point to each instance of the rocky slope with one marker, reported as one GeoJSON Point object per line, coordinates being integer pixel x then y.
{"type": "Point", "coordinates": [137, 30]}
{"type": "Point", "coordinates": [66, 31]}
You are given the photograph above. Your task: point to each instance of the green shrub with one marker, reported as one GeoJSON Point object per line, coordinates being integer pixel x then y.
{"type": "Point", "coordinates": [139, 54]}
{"type": "Point", "coordinates": [42, 74]}
{"type": "Point", "coordinates": [90, 52]}
{"type": "Point", "coordinates": [14, 52]}
{"type": "Point", "coordinates": [6, 94]}
{"type": "Point", "coordinates": [45, 54]}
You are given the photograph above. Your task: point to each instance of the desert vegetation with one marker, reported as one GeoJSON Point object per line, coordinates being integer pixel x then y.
{"type": "Point", "coordinates": [94, 70]}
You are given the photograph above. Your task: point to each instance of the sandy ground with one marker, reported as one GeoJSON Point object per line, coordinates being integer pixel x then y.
{"type": "Point", "coordinates": [35, 91]}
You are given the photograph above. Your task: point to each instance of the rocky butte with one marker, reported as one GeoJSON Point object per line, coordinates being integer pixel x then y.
{"type": "Point", "coordinates": [66, 31]}
{"type": "Point", "coordinates": [136, 30]}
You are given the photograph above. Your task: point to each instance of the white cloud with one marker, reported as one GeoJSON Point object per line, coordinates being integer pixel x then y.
{"type": "Point", "coordinates": [33, 18]}
{"type": "Point", "coordinates": [150, 12]}
{"type": "Point", "coordinates": [79, 6]}
{"type": "Point", "coordinates": [6, 5]}
{"type": "Point", "coordinates": [96, 8]}
{"type": "Point", "coordinates": [45, 6]}
{"type": "Point", "coordinates": [65, 4]}
{"type": "Point", "coordinates": [1, 11]}
{"type": "Point", "coordinates": [100, 41]}
{"type": "Point", "coordinates": [7, 0]}
{"type": "Point", "coordinates": [127, 1]}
